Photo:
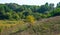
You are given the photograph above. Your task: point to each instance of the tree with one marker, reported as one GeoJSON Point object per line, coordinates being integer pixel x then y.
{"type": "Point", "coordinates": [15, 16]}
{"type": "Point", "coordinates": [51, 5]}
{"type": "Point", "coordinates": [30, 18]}
{"type": "Point", "coordinates": [55, 12]}
{"type": "Point", "coordinates": [58, 5]}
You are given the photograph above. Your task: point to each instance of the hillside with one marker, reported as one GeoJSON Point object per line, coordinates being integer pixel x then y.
{"type": "Point", "coordinates": [49, 26]}
{"type": "Point", "coordinates": [18, 19]}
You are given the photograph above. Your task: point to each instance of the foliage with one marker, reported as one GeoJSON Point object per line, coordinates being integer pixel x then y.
{"type": "Point", "coordinates": [30, 18]}
{"type": "Point", "coordinates": [13, 11]}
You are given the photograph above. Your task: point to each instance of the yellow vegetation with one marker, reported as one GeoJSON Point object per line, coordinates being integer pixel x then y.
{"type": "Point", "coordinates": [10, 23]}
{"type": "Point", "coordinates": [30, 19]}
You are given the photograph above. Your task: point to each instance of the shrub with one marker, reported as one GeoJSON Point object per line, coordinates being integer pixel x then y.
{"type": "Point", "coordinates": [30, 18]}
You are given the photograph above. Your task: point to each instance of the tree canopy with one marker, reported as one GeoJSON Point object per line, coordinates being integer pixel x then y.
{"type": "Point", "coordinates": [14, 11]}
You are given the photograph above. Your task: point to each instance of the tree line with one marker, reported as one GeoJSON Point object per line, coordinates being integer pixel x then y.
{"type": "Point", "coordinates": [13, 11]}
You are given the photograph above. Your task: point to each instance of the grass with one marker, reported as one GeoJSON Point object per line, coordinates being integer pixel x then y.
{"type": "Point", "coordinates": [49, 26]}
{"type": "Point", "coordinates": [12, 26]}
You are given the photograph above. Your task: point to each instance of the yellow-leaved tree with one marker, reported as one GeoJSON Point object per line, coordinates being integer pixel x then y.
{"type": "Point", "coordinates": [30, 18]}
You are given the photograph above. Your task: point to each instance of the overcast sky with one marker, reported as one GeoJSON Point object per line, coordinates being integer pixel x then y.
{"type": "Point", "coordinates": [30, 2]}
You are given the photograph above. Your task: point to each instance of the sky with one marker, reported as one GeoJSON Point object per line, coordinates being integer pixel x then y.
{"type": "Point", "coordinates": [30, 2]}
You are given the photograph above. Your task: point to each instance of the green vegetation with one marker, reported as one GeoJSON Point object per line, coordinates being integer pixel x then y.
{"type": "Point", "coordinates": [29, 19]}
{"type": "Point", "coordinates": [12, 11]}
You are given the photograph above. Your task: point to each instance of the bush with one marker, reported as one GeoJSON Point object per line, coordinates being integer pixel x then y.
{"type": "Point", "coordinates": [30, 18]}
